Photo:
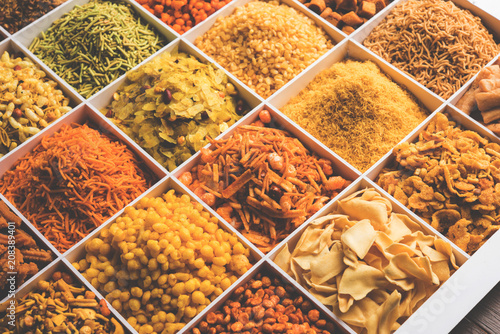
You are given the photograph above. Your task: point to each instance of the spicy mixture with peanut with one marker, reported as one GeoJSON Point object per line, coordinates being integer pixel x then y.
{"type": "Point", "coordinates": [265, 304]}
{"type": "Point", "coordinates": [28, 101]}
{"type": "Point", "coordinates": [60, 306]}
{"type": "Point", "coordinates": [163, 261]}
{"type": "Point", "coordinates": [451, 178]}
{"type": "Point", "coordinates": [28, 259]}
{"type": "Point", "coordinates": [263, 181]}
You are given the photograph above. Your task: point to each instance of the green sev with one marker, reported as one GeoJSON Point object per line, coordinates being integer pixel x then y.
{"type": "Point", "coordinates": [86, 46]}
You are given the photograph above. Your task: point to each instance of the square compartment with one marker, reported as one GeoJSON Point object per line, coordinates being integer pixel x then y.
{"type": "Point", "coordinates": [491, 23]}
{"type": "Point", "coordinates": [78, 252]}
{"type": "Point", "coordinates": [269, 269]}
{"type": "Point", "coordinates": [461, 119]}
{"type": "Point", "coordinates": [104, 98]}
{"type": "Point", "coordinates": [475, 114]}
{"type": "Point", "coordinates": [340, 167]}
{"type": "Point", "coordinates": [41, 244]}
{"type": "Point", "coordinates": [12, 47]}
{"type": "Point", "coordinates": [352, 50]}
{"type": "Point", "coordinates": [46, 275]}
{"type": "Point", "coordinates": [328, 18]}
{"type": "Point", "coordinates": [81, 115]}
{"type": "Point", "coordinates": [461, 275]}
{"type": "Point", "coordinates": [335, 35]}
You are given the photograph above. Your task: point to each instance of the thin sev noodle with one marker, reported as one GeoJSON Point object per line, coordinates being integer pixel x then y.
{"type": "Point", "coordinates": [439, 44]}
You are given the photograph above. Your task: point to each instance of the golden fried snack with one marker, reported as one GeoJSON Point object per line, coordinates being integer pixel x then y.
{"type": "Point", "coordinates": [451, 178]}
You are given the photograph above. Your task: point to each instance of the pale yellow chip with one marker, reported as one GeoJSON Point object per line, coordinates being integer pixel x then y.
{"type": "Point", "coordinates": [396, 229]}
{"type": "Point", "coordinates": [441, 269]}
{"type": "Point", "coordinates": [360, 237]}
{"type": "Point", "coordinates": [282, 259]}
{"type": "Point", "coordinates": [375, 210]}
{"type": "Point", "coordinates": [384, 318]}
{"type": "Point", "coordinates": [360, 281]}
{"type": "Point", "coordinates": [328, 264]}
{"type": "Point", "coordinates": [433, 254]}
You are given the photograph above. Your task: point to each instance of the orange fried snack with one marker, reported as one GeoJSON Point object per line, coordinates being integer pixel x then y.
{"type": "Point", "coordinates": [263, 181]}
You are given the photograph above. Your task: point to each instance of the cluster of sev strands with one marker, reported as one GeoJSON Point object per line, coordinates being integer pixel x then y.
{"type": "Point", "coordinates": [72, 182]}
{"type": "Point", "coordinates": [264, 182]}
{"type": "Point", "coordinates": [439, 44]}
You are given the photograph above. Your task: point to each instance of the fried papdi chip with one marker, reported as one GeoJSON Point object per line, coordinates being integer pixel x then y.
{"type": "Point", "coordinates": [371, 266]}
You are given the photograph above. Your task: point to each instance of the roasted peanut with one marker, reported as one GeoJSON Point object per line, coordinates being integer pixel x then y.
{"type": "Point", "coordinates": [320, 323]}
{"type": "Point", "coordinates": [265, 315]}
{"type": "Point", "coordinates": [280, 291]}
{"type": "Point", "coordinates": [313, 315]}
{"type": "Point", "coordinates": [256, 285]}
{"type": "Point", "coordinates": [211, 318]}
{"type": "Point", "coordinates": [237, 327]}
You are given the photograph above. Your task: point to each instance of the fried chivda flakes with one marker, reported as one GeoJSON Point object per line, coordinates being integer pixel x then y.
{"type": "Point", "coordinates": [451, 178]}
{"type": "Point", "coordinates": [371, 266]}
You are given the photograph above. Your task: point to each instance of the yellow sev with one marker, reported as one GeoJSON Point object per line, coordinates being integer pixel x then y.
{"type": "Point", "coordinates": [357, 111]}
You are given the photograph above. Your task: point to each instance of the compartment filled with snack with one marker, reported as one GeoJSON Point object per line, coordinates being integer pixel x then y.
{"type": "Point", "coordinates": [163, 260]}
{"type": "Point", "coordinates": [368, 261]}
{"type": "Point", "coordinates": [182, 15]}
{"type": "Point", "coordinates": [447, 175]}
{"type": "Point", "coordinates": [174, 103]}
{"type": "Point", "coordinates": [30, 100]}
{"type": "Point", "coordinates": [17, 14]}
{"type": "Point", "coordinates": [264, 179]}
{"type": "Point", "coordinates": [354, 104]}
{"type": "Point", "coordinates": [58, 302]}
{"type": "Point", "coordinates": [481, 100]}
{"type": "Point", "coordinates": [265, 302]}
{"type": "Point", "coordinates": [89, 44]}
{"type": "Point", "coordinates": [22, 252]}
{"type": "Point", "coordinates": [74, 178]}
{"type": "Point", "coordinates": [440, 43]}
{"type": "Point", "coordinates": [265, 43]}
{"type": "Point", "coordinates": [347, 15]}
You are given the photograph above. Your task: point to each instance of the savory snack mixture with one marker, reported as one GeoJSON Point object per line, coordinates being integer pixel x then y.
{"type": "Point", "coordinates": [356, 110]}
{"type": "Point", "coordinates": [94, 44]}
{"type": "Point", "coordinates": [482, 99]}
{"type": "Point", "coordinates": [17, 14]}
{"type": "Point", "coordinates": [441, 45]}
{"type": "Point", "coordinates": [73, 181]}
{"type": "Point", "coordinates": [371, 266]}
{"type": "Point", "coordinates": [265, 44]}
{"type": "Point", "coordinates": [182, 15]}
{"type": "Point", "coordinates": [29, 101]}
{"type": "Point", "coordinates": [60, 305]}
{"type": "Point", "coordinates": [173, 104]}
{"type": "Point", "coordinates": [263, 181]}
{"type": "Point", "coordinates": [163, 261]}
{"type": "Point", "coordinates": [28, 258]}
{"type": "Point", "coordinates": [450, 177]}
{"type": "Point", "coordinates": [347, 15]}
{"type": "Point", "coordinates": [265, 304]}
